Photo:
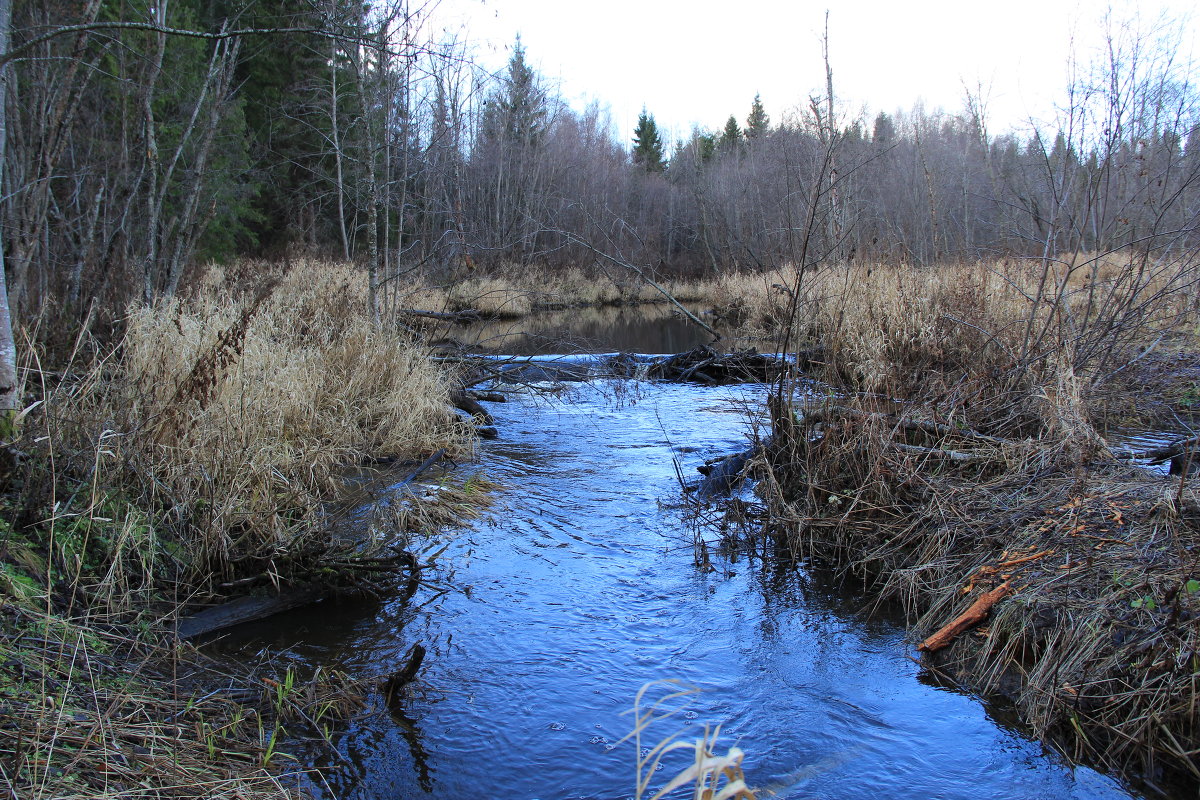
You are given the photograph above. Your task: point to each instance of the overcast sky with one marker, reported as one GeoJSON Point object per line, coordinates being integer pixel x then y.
{"type": "Point", "coordinates": [693, 62]}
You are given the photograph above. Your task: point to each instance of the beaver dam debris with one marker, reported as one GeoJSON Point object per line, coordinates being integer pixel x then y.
{"type": "Point", "coordinates": [703, 365]}
{"type": "Point", "coordinates": [711, 367]}
{"type": "Point", "coordinates": [1089, 570]}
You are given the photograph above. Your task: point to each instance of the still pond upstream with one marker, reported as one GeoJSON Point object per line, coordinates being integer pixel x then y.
{"type": "Point", "coordinates": [580, 587]}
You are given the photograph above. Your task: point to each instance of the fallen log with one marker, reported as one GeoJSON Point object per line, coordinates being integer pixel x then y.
{"type": "Point", "coordinates": [465, 317]}
{"type": "Point", "coordinates": [247, 609]}
{"type": "Point", "coordinates": [938, 452]}
{"type": "Point", "coordinates": [825, 414]}
{"type": "Point", "coordinates": [544, 372]}
{"type": "Point", "coordinates": [968, 619]}
{"type": "Point", "coordinates": [251, 608]}
{"type": "Point", "coordinates": [465, 401]}
{"type": "Point", "coordinates": [1157, 455]}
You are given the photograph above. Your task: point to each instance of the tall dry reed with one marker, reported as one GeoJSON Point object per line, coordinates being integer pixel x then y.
{"type": "Point", "coordinates": [231, 416]}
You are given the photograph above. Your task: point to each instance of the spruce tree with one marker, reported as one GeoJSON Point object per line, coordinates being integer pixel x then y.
{"type": "Point", "coordinates": [884, 131]}
{"type": "Point", "coordinates": [758, 123]}
{"type": "Point", "coordinates": [517, 112]}
{"type": "Point", "coordinates": [731, 136]}
{"type": "Point", "coordinates": [647, 144]}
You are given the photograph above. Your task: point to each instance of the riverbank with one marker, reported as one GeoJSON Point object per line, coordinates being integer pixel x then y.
{"type": "Point", "coordinates": [1092, 571]}
{"type": "Point", "coordinates": [964, 460]}
{"type": "Point", "coordinates": [191, 462]}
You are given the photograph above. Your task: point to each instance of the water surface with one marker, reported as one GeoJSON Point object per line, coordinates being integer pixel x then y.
{"type": "Point", "coordinates": [581, 587]}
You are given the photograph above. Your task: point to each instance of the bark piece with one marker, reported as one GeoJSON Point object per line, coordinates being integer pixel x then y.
{"type": "Point", "coordinates": [965, 621]}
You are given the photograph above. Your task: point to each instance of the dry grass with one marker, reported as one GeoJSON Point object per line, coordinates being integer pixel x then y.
{"type": "Point", "coordinates": [235, 416]}
{"type": "Point", "coordinates": [94, 711]}
{"type": "Point", "coordinates": [517, 291]}
{"type": "Point", "coordinates": [989, 344]}
{"type": "Point", "coordinates": [1098, 645]}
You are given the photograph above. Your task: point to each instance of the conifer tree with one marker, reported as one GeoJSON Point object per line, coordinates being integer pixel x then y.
{"type": "Point", "coordinates": [758, 123]}
{"type": "Point", "coordinates": [884, 131]}
{"type": "Point", "coordinates": [647, 144]}
{"type": "Point", "coordinates": [731, 136]}
{"type": "Point", "coordinates": [517, 112]}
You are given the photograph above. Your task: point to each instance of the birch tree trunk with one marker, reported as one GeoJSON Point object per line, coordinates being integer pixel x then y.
{"type": "Point", "coordinates": [10, 397]}
{"type": "Point", "coordinates": [335, 133]}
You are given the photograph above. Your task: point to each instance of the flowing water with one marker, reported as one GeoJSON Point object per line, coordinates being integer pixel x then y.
{"type": "Point", "coordinates": [581, 587]}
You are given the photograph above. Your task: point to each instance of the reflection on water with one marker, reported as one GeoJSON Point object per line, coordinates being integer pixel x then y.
{"type": "Point", "coordinates": [645, 328]}
{"type": "Point", "coordinates": [581, 587]}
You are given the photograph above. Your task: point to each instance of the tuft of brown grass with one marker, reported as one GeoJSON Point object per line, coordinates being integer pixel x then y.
{"type": "Point", "coordinates": [235, 416]}
{"type": "Point", "coordinates": [709, 775]}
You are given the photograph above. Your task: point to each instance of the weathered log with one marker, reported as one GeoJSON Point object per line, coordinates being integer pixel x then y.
{"type": "Point", "coordinates": [1157, 455]}
{"type": "Point", "coordinates": [968, 619]}
{"type": "Point", "coordinates": [826, 413]}
{"type": "Point", "coordinates": [938, 452]}
{"type": "Point", "coordinates": [544, 372]}
{"type": "Point", "coordinates": [465, 317]}
{"type": "Point", "coordinates": [247, 609]}
{"type": "Point", "coordinates": [465, 401]}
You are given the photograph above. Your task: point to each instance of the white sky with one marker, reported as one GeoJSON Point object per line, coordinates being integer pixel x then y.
{"type": "Point", "coordinates": [695, 62]}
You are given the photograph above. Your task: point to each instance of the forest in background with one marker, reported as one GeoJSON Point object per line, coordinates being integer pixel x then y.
{"type": "Point", "coordinates": [135, 150]}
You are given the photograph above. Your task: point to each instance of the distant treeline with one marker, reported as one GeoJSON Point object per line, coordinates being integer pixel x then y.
{"type": "Point", "coordinates": [134, 152]}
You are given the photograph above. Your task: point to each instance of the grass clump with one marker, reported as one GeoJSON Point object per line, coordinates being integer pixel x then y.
{"type": "Point", "coordinates": [708, 776]}
{"type": "Point", "coordinates": [231, 418]}
{"type": "Point", "coordinates": [95, 709]}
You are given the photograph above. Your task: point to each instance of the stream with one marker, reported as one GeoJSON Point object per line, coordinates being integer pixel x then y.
{"type": "Point", "coordinates": [580, 586]}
